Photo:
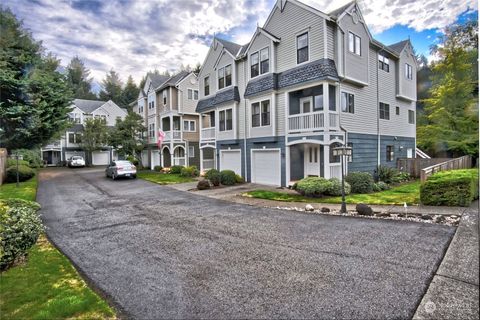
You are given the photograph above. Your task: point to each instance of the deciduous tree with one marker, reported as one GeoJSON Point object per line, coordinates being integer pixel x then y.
{"type": "Point", "coordinates": [128, 135]}
{"type": "Point", "coordinates": [94, 136]}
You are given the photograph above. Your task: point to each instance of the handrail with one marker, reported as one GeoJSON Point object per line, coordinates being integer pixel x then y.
{"type": "Point", "coordinates": [464, 162]}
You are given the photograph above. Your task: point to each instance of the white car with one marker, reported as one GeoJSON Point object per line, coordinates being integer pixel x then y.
{"type": "Point", "coordinates": [76, 161]}
{"type": "Point", "coordinates": [121, 168]}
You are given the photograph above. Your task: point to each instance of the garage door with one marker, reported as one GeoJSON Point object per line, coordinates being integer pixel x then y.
{"type": "Point", "coordinates": [231, 160]}
{"type": "Point", "coordinates": [100, 158]}
{"type": "Point", "coordinates": [69, 154]}
{"type": "Point", "coordinates": [266, 167]}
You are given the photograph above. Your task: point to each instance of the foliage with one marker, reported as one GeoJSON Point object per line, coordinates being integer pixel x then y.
{"type": "Point", "coordinates": [26, 190]}
{"type": "Point", "coordinates": [450, 124]}
{"type": "Point", "coordinates": [31, 156]}
{"type": "Point", "coordinates": [203, 185]}
{"type": "Point", "coordinates": [157, 168]}
{"type": "Point", "coordinates": [24, 173]}
{"type": "Point", "coordinates": [163, 178]}
{"type": "Point", "coordinates": [380, 186]}
{"type": "Point", "coordinates": [127, 135]}
{"type": "Point", "coordinates": [11, 162]}
{"type": "Point", "coordinates": [34, 96]}
{"type": "Point", "coordinates": [313, 186]}
{"type": "Point", "coordinates": [20, 227]}
{"type": "Point", "coordinates": [361, 182]}
{"type": "Point", "coordinates": [112, 88]}
{"type": "Point", "coordinates": [213, 175]}
{"type": "Point", "coordinates": [94, 136]}
{"type": "Point", "coordinates": [227, 177]}
{"type": "Point", "coordinates": [133, 160]}
{"type": "Point", "coordinates": [176, 169]}
{"type": "Point", "coordinates": [239, 179]}
{"type": "Point", "coordinates": [450, 188]}
{"type": "Point", "coordinates": [79, 81]}
{"type": "Point", "coordinates": [191, 171]}
{"type": "Point", "coordinates": [386, 174]}
{"type": "Point", "coordinates": [129, 93]}
{"type": "Point", "coordinates": [335, 187]}
{"type": "Point", "coordinates": [401, 177]}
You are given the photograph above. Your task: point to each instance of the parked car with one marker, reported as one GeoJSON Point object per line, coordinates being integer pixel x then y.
{"type": "Point", "coordinates": [76, 161]}
{"type": "Point", "coordinates": [121, 168]}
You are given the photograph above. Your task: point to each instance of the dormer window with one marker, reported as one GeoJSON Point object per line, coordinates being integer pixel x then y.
{"type": "Point", "coordinates": [225, 77]}
{"type": "Point", "coordinates": [302, 48]}
{"type": "Point", "coordinates": [354, 44]}
{"type": "Point", "coordinates": [259, 62]}
{"type": "Point", "coordinates": [206, 86]}
{"type": "Point", "coordinates": [383, 63]}
{"type": "Point", "coordinates": [408, 71]}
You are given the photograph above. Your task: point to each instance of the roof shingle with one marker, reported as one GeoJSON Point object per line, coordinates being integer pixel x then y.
{"type": "Point", "coordinates": [223, 96]}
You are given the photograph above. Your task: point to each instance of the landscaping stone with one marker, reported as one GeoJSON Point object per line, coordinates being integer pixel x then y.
{"type": "Point", "coordinates": [364, 210]}
{"type": "Point", "coordinates": [426, 217]}
{"type": "Point", "coordinates": [309, 208]}
{"type": "Point", "coordinates": [325, 209]}
{"type": "Point", "coordinates": [383, 214]}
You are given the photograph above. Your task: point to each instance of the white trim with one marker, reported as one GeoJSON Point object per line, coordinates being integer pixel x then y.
{"type": "Point", "coordinates": [249, 67]}
{"type": "Point", "coordinates": [299, 4]}
{"type": "Point", "coordinates": [220, 56]}
{"type": "Point", "coordinates": [187, 76]}
{"type": "Point", "coordinates": [301, 141]}
{"type": "Point", "coordinates": [297, 34]}
{"type": "Point", "coordinates": [232, 65]}
{"type": "Point", "coordinates": [325, 40]}
{"type": "Point", "coordinates": [189, 120]}
{"type": "Point", "coordinates": [217, 118]}
{"type": "Point", "coordinates": [259, 101]}
{"type": "Point", "coordinates": [255, 35]}
{"type": "Point", "coordinates": [266, 150]}
{"type": "Point", "coordinates": [221, 151]}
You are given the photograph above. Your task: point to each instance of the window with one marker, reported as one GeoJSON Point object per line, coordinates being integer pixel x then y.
{"type": "Point", "coordinates": [411, 116]}
{"type": "Point", "coordinates": [383, 63]}
{"type": "Point", "coordinates": [189, 94]}
{"type": "Point", "coordinates": [408, 71]}
{"type": "Point", "coordinates": [384, 111]}
{"type": "Point", "coordinates": [195, 94]}
{"type": "Point", "coordinates": [261, 113]}
{"type": "Point", "coordinates": [164, 97]}
{"type": "Point", "coordinates": [225, 77]}
{"type": "Point", "coordinates": [354, 43]}
{"type": "Point", "coordinates": [140, 108]}
{"type": "Point", "coordinates": [151, 130]}
{"type": "Point", "coordinates": [101, 116]}
{"type": "Point", "coordinates": [74, 138]}
{"type": "Point", "coordinates": [259, 62]}
{"type": "Point", "coordinates": [332, 98]}
{"type": "Point", "coordinates": [191, 151]}
{"type": "Point", "coordinates": [302, 48]}
{"type": "Point", "coordinates": [397, 111]}
{"type": "Point", "coordinates": [189, 125]}
{"type": "Point", "coordinates": [75, 117]}
{"type": "Point", "coordinates": [151, 105]}
{"type": "Point", "coordinates": [225, 121]}
{"type": "Point", "coordinates": [390, 154]}
{"type": "Point", "coordinates": [348, 102]}
{"type": "Point", "coordinates": [206, 86]}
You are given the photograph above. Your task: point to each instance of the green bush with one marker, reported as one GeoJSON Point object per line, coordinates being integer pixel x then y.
{"type": "Point", "coordinates": [380, 186]}
{"type": "Point", "coordinates": [227, 177]}
{"type": "Point", "coordinates": [401, 177]}
{"type": "Point", "coordinates": [13, 163]}
{"type": "Point", "coordinates": [361, 182]}
{"type": "Point", "coordinates": [191, 171]}
{"type": "Point", "coordinates": [239, 179]}
{"type": "Point", "coordinates": [203, 185]}
{"type": "Point", "coordinates": [335, 188]}
{"type": "Point", "coordinates": [20, 227]}
{"type": "Point", "coordinates": [450, 188]}
{"type": "Point", "coordinates": [33, 157]}
{"type": "Point", "coordinates": [386, 174]}
{"type": "Point", "coordinates": [158, 168]}
{"type": "Point", "coordinates": [24, 173]}
{"type": "Point", "coordinates": [176, 169]}
{"type": "Point", "coordinates": [213, 175]}
{"type": "Point", "coordinates": [313, 186]}
{"type": "Point", "coordinates": [133, 160]}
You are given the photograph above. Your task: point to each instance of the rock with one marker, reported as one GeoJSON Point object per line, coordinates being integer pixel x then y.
{"type": "Point", "coordinates": [364, 210]}
{"type": "Point", "coordinates": [426, 217]}
{"type": "Point", "coordinates": [309, 207]}
{"type": "Point", "coordinates": [383, 214]}
{"type": "Point", "coordinates": [440, 219]}
{"type": "Point", "coordinates": [325, 209]}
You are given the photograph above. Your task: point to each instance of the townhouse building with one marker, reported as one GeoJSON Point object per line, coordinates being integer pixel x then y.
{"type": "Point", "coordinates": [272, 110]}
{"type": "Point", "coordinates": [70, 143]}
{"type": "Point", "coordinates": [168, 104]}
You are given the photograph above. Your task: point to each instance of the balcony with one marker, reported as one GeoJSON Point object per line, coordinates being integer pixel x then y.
{"type": "Point", "coordinates": [173, 135]}
{"type": "Point", "coordinates": [306, 122]}
{"type": "Point", "coordinates": [207, 133]}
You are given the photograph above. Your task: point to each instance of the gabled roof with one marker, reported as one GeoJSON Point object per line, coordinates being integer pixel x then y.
{"type": "Point", "coordinates": [337, 12]}
{"type": "Point", "coordinates": [88, 106]}
{"type": "Point", "coordinates": [173, 80]}
{"type": "Point", "coordinates": [157, 79]}
{"type": "Point", "coordinates": [231, 47]}
{"type": "Point", "coordinates": [399, 46]}
{"type": "Point", "coordinates": [259, 30]}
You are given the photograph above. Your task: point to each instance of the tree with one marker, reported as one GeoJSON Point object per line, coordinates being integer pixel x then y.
{"type": "Point", "coordinates": [130, 92]}
{"type": "Point", "coordinates": [112, 88]}
{"type": "Point", "coordinates": [127, 136]}
{"type": "Point", "coordinates": [94, 136]}
{"type": "Point", "coordinates": [34, 98]}
{"type": "Point", "coordinates": [79, 81]}
{"type": "Point", "coordinates": [450, 126]}
{"type": "Point", "coordinates": [197, 68]}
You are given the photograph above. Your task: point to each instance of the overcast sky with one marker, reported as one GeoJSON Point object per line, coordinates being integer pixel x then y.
{"type": "Point", "coordinates": [135, 36]}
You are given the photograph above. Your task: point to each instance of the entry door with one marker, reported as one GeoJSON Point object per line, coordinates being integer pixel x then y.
{"type": "Point", "coordinates": [312, 160]}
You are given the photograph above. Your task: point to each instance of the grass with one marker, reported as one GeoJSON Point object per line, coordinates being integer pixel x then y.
{"type": "Point", "coordinates": [27, 190]}
{"type": "Point", "coordinates": [409, 193]}
{"type": "Point", "coordinates": [48, 287]}
{"type": "Point", "coordinates": [163, 178]}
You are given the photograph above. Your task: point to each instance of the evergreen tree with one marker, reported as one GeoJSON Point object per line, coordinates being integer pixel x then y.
{"type": "Point", "coordinates": [197, 68]}
{"type": "Point", "coordinates": [128, 135]}
{"type": "Point", "coordinates": [130, 92]}
{"type": "Point", "coordinates": [79, 81]}
{"type": "Point", "coordinates": [112, 88]}
{"type": "Point", "coordinates": [34, 98]}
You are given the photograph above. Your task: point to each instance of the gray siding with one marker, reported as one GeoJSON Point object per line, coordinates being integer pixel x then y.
{"type": "Point", "coordinates": [281, 113]}
{"type": "Point", "coordinates": [407, 87]}
{"type": "Point", "coordinates": [241, 82]}
{"type": "Point", "coordinates": [331, 41]}
{"type": "Point", "coordinates": [207, 70]}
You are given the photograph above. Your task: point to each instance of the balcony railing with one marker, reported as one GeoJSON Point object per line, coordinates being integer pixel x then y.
{"type": "Point", "coordinates": [306, 122]}
{"type": "Point", "coordinates": [173, 135]}
{"type": "Point", "coordinates": [208, 133]}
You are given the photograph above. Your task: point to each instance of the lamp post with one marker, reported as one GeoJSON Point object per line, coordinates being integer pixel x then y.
{"type": "Point", "coordinates": [343, 151]}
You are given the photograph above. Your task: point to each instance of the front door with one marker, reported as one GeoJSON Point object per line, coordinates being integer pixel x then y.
{"type": "Point", "coordinates": [312, 160]}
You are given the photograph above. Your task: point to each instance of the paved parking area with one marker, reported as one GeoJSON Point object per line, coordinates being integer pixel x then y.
{"type": "Point", "coordinates": [158, 252]}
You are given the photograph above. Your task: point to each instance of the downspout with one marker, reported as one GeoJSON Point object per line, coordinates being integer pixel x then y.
{"type": "Point", "coordinates": [378, 116]}
{"type": "Point", "coordinates": [245, 121]}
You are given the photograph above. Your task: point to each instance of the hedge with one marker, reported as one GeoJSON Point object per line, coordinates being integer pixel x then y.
{"type": "Point", "coordinates": [450, 188]}
{"type": "Point", "coordinates": [24, 173]}
{"type": "Point", "coordinates": [361, 182]}
{"type": "Point", "coordinates": [227, 177]}
{"type": "Point", "coordinates": [214, 176]}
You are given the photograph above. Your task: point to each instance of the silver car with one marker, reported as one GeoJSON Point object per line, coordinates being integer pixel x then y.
{"type": "Point", "coordinates": [76, 161]}
{"type": "Point", "coordinates": [121, 168]}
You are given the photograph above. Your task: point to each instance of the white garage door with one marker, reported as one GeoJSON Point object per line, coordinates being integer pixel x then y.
{"type": "Point", "coordinates": [231, 160]}
{"type": "Point", "coordinates": [266, 167]}
{"type": "Point", "coordinates": [100, 158]}
{"type": "Point", "coordinates": [69, 154]}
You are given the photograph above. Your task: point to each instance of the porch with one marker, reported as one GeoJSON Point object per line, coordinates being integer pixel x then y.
{"type": "Point", "coordinates": [176, 158]}
{"type": "Point", "coordinates": [207, 158]}
{"type": "Point", "coordinates": [171, 127]}
{"type": "Point", "coordinates": [207, 132]}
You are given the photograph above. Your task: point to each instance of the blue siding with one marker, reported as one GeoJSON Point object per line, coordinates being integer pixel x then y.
{"type": "Point", "coordinates": [232, 144]}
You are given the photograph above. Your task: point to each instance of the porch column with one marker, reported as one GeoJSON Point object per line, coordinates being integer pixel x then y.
{"type": "Point", "coordinates": [171, 140]}
{"type": "Point", "coordinates": [326, 109]}
{"type": "Point", "coordinates": [326, 161]}
{"type": "Point", "coordinates": [201, 160]}
{"type": "Point", "coordinates": [287, 165]}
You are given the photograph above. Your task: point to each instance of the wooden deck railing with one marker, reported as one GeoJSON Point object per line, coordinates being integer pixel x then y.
{"type": "Point", "coordinates": [464, 162]}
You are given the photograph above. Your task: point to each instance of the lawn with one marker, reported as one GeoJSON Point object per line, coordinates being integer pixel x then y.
{"type": "Point", "coordinates": [27, 190]}
{"type": "Point", "coordinates": [409, 193]}
{"type": "Point", "coordinates": [163, 178]}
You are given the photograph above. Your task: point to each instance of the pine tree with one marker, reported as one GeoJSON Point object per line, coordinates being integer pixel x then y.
{"type": "Point", "coordinates": [130, 92]}
{"type": "Point", "coordinates": [112, 88]}
{"type": "Point", "coordinates": [79, 81]}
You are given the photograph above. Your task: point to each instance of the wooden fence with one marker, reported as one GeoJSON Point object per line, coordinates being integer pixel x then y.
{"type": "Point", "coordinates": [414, 166]}
{"type": "Point", "coordinates": [464, 162]}
{"type": "Point", "coordinates": [3, 164]}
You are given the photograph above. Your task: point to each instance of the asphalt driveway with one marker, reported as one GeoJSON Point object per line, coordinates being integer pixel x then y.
{"type": "Point", "coordinates": [162, 253]}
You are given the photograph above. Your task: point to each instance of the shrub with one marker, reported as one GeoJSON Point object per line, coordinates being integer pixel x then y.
{"type": "Point", "coordinates": [11, 162]}
{"type": "Point", "coordinates": [361, 182]}
{"type": "Point", "coordinates": [386, 174]}
{"type": "Point", "coordinates": [213, 176]}
{"type": "Point", "coordinates": [176, 169]}
{"type": "Point", "coordinates": [20, 227]}
{"type": "Point", "coordinates": [380, 186]}
{"type": "Point", "coordinates": [239, 179]}
{"type": "Point", "coordinates": [158, 168]}
{"type": "Point", "coordinates": [313, 186]}
{"type": "Point", "coordinates": [133, 160]}
{"type": "Point", "coordinates": [450, 188]}
{"type": "Point", "coordinates": [24, 173]}
{"type": "Point", "coordinates": [203, 185]}
{"type": "Point", "coordinates": [227, 177]}
{"type": "Point", "coordinates": [335, 188]}
{"type": "Point", "coordinates": [33, 157]}
{"type": "Point", "coordinates": [401, 177]}
{"type": "Point", "coordinates": [189, 172]}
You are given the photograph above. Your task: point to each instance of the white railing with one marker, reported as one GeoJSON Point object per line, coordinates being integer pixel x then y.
{"type": "Point", "coordinates": [176, 134]}
{"type": "Point", "coordinates": [336, 171]}
{"type": "Point", "coordinates": [333, 120]}
{"type": "Point", "coordinates": [208, 164]}
{"type": "Point", "coordinates": [208, 133]}
{"type": "Point", "coordinates": [306, 122]}
{"type": "Point", "coordinates": [52, 145]}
